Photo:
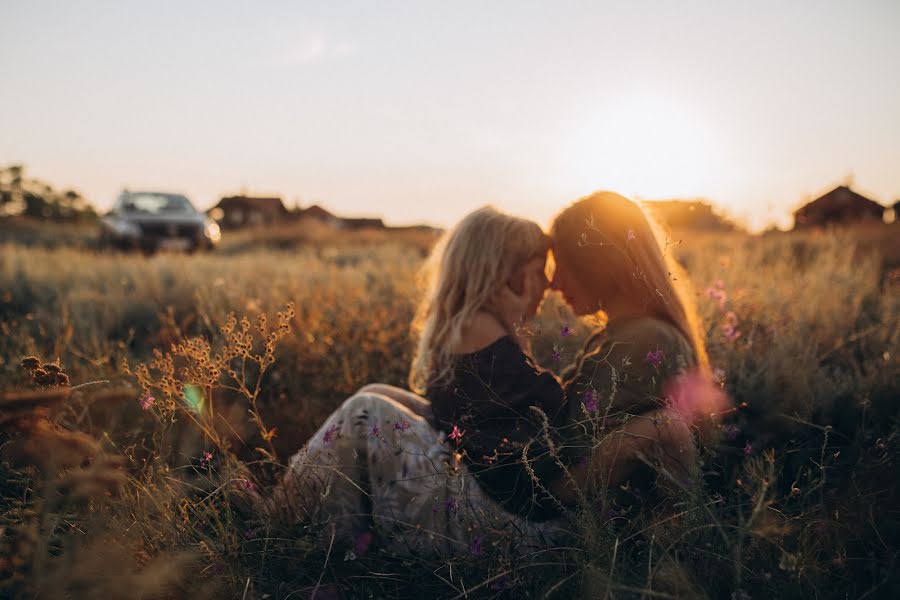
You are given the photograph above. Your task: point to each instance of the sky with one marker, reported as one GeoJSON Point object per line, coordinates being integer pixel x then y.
{"type": "Point", "coordinates": [423, 111]}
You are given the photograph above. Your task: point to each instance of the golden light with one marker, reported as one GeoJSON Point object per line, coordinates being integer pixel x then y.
{"type": "Point", "coordinates": [644, 144]}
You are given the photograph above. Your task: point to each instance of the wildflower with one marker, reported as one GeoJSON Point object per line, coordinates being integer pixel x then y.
{"type": "Point", "coordinates": [590, 401]}
{"type": "Point", "coordinates": [363, 541]}
{"type": "Point", "coordinates": [475, 547]}
{"type": "Point", "coordinates": [566, 331]}
{"type": "Point", "coordinates": [147, 401]}
{"type": "Point", "coordinates": [630, 235]}
{"type": "Point", "coordinates": [748, 448]}
{"type": "Point", "coordinates": [401, 425]}
{"type": "Point", "coordinates": [246, 485]}
{"type": "Point", "coordinates": [654, 357]}
{"type": "Point", "coordinates": [329, 434]}
{"type": "Point", "coordinates": [694, 397]}
{"type": "Point", "coordinates": [717, 293]}
{"type": "Point", "coordinates": [457, 433]}
{"type": "Point", "coordinates": [207, 458]}
{"type": "Point", "coordinates": [375, 430]}
{"type": "Point", "coordinates": [731, 431]}
{"type": "Point", "coordinates": [557, 353]}
{"type": "Point", "coordinates": [729, 327]}
{"type": "Point", "coordinates": [249, 534]}
{"type": "Point", "coordinates": [31, 363]}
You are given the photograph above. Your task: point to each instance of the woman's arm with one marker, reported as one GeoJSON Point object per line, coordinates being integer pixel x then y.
{"type": "Point", "coordinates": [413, 402]}
{"type": "Point", "coordinates": [661, 435]}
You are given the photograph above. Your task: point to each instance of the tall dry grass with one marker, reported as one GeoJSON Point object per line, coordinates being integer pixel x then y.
{"type": "Point", "coordinates": [800, 501]}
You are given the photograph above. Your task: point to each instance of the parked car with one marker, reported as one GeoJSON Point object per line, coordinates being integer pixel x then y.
{"type": "Point", "coordinates": [153, 221]}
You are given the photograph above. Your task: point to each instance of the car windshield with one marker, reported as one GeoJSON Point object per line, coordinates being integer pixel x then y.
{"type": "Point", "coordinates": [156, 204]}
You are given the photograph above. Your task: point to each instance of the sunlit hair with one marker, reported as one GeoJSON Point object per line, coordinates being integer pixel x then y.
{"type": "Point", "coordinates": [615, 250]}
{"type": "Point", "coordinates": [467, 267]}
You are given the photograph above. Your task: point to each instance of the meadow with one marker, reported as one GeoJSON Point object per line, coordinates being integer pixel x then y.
{"type": "Point", "coordinates": [106, 494]}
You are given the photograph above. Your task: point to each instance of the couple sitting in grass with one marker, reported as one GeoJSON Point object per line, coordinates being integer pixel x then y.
{"type": "Point", "coordinates": [489, 448]}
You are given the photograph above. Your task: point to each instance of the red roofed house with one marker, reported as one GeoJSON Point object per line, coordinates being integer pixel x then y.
{"type": "Point", "coordinates": [840, 206]}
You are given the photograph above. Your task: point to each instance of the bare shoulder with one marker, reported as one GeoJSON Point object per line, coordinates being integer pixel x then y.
{"type": "Point", "coordinates": [483, 330]}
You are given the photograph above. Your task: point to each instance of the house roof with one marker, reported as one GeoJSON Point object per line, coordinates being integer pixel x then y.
{"type": "Point", "coordinates": [317, 212]}
{"type": "Point", "coordinates": [840, 197]}
{"type": "Point", "coordinates": [271, 204]}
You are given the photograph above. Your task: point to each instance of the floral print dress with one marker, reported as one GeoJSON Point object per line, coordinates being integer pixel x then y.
{"type": "Point", "coordinates": [375, 470]}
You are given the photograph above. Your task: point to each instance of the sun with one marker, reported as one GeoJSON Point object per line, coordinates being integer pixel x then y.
{"type": "Point", "coordinates": [644, 144]}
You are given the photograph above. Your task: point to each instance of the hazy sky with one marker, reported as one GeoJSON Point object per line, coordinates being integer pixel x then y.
{"type": "Point", "coordinates": [422, 111]}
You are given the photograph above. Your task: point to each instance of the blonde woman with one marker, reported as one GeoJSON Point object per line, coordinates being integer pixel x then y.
{"type": "Point", "coordinates": [439, 477]}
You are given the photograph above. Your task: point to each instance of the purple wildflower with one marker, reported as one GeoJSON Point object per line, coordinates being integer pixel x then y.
{"type": "Point", "coordinates": [748, 449]}
{"type": "Point", "coordinates": [401, 425]}
{"type": "Point", "coordinates": [731, 431]}
{"type": "Point", "coordinates": [375, 430]}
{"type": "Point", "coordinates": [590, 401]}
{"type": "Point", "coordinates": [654, 357]}
{"type": "Point", "coordinates": [566, 331]}
{"type": "Point", "coordinates": [557, 353]}
{"type": "Point", "coordinates": [249, 534]}
{"type": "Point", "coordinates": [329, 434]}
{"type": "Point", "coordinates": [147, 401]}
{"type": "Point", "coordinates": [363, 541]}
{"type": "Point", "coordinates": [451, 504]}
{"type": "Point", "coordinates": [475, 547]}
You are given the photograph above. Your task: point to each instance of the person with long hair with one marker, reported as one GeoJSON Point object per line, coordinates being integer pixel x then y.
{"type": "Point", "coordinates": [431, 474]}
{"type": "Point", "coordinates": [648, 366]}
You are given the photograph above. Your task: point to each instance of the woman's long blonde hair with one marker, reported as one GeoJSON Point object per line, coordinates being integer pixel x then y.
{"type": "Point", "coordinates": [467, 267]}
{"type": "Point", "coordinates": [613, 247]}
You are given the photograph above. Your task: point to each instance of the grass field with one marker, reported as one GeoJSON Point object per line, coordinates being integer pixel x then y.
{"type": "Point", "coordinates": [101, 498]}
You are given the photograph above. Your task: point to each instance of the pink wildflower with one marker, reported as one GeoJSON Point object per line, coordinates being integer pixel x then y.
{"type": "Point", "coordinates": [748, 449]}
{"type": "Point", "coordinates": [729, 327]}
{"type": "Point", "coordinates": [717, 292]}
{"type": "Point", "coordinates": [329, 434]}
{"type": "Point", "coordinates": [401, 425]}
{"type": "Point", "coordinates": [246, 485]}
{"type": "Point", "coordinates": [694, 397]}
{"type": "Point", "coordinates": [147, 401]}
{"type": "Point", "coordinates": [207, 458]}
{"type": "Point", "coordinates": [654, 357]}
{"type": "Point", "coordinates": [457, 433]}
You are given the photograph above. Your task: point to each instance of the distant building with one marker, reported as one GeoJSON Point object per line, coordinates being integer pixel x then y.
{"type": "Point", "coordinates": [840, 206]}
{"type": "Point", "coordinates": [688, 214]}
{"type": "Point", "coordinates": [360, 224]}
{"type": "Point", "coordinates": [317, 213]}
{"type": "Point", "coordinates": [242, 211]}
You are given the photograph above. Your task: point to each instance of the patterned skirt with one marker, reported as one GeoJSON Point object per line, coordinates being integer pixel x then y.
{"type": "Point", "coordinates": [375, 470]}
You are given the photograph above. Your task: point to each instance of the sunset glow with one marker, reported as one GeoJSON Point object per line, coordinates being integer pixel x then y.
{"type": "Point", "coordinates": [420, 113]}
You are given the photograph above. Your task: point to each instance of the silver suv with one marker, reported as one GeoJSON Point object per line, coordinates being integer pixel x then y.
{"type": "Point", "coordinates": [153, 221]}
